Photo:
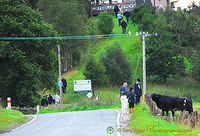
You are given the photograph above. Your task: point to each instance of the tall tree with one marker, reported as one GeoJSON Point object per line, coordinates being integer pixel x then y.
{"type": "Point", "coordinates": [69, 19]}
{"type": "Point", "coordinates": [26, 66]}
{"type": "Point", "coordinates": [162, 60]}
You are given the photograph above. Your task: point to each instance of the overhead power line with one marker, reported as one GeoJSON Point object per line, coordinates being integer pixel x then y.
{"type": "Point", "coordinates": [67, 37]}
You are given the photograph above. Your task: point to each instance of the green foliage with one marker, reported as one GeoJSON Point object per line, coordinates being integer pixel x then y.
{"type": "Point", "coordinates": [162, 60]}
{"type": "Point", "coordinates": [68, 18]}
{"type": "Point", "coordinates": [95, 71]}
{"type": "Point", "coordinates": [26, 66]}
{"type": "Point", "coordinates": [143, 15]}
{"type": "Point", "coordinates": [117, 67]}
{"type": "Point", "coordinates": [105, 23]}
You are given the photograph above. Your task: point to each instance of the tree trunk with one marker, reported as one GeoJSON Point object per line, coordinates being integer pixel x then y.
{"type": "Point", "coordinates": [71, 55]}
{"type": "Point", "coordinates": [65, 62]}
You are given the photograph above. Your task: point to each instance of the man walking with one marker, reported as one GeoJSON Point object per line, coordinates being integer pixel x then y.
{"type": "Point", "coordinates": [64, 85]}
{"type": "Point", "coordinates": [116, 10]}
{"type": "Point", "coordinates": [127, 15]}
{"type": "Point", "coordinates": [137, 91]}
{"type": "Point", "coordinates": [124, 25]}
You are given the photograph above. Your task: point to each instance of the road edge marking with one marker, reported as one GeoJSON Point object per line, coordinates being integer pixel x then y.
{"type": "Point", "coordinates": [118, 124]}
{"type": "Point", "coordinates": [34, 117]}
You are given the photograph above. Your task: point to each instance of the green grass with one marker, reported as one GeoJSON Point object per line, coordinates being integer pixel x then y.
{"type": "Point", "coordinates": [9, 118]}
{"type": "Point", "coordinates": [83, 107]}
{"type": "Point", "coordinates": [144, 123]}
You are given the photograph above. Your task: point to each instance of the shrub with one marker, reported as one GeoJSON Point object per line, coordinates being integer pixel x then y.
{"type": "Point", "coordinates": [117, 67]}
{"type": "Point", "coordinates": [105, 23]}
{"type": "Point", "coordinates": [95, 71]}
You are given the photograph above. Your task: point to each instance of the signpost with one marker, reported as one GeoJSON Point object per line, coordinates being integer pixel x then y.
{"type": "Point", "coordinates": [82, 86]}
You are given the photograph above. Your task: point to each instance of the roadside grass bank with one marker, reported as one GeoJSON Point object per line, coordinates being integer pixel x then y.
{"type": "Point", "coordinates": [91, 105]}
{"type": "Point", "coordinates": [144, 123]}
{"type": "Point", "coordinates": [10, 118]}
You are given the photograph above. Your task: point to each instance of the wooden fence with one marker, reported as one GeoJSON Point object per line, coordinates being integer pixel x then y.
{"type": "Point", "coordinates": [191, 120]}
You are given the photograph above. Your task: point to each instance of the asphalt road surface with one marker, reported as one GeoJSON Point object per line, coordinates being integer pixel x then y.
{"type": "Point", "coordinates": [82, 123]}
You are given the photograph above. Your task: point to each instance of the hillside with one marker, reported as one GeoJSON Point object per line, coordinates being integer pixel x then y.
{"type": "Point", "coordinates": [131, 46]}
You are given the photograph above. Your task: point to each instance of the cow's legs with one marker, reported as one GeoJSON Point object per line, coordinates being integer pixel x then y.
{"type": "Point", "coordinates": [172, 113]}
{"type": "Point", "coordinates": [167, 112]}
{"type": "Point", "coordinates": [163, 112]}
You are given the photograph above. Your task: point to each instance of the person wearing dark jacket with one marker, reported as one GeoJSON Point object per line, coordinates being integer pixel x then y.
{"type": "Point", "coordinates": [131, 99]}
{"type": "Point", "coordinates": [50, 99]}
{"type": "Point", "coordinates": [137, 91]}
{"type": "Point", "coordinates": [116, 10]}
{"type": "Point", "coordinates": [124, 25]}
{"type": "Point", "coordinates": [127, 15]}
{"type": "Point", "coordinates": [44, 102]}
{"type": "Point", "coordinates": [64, 85]}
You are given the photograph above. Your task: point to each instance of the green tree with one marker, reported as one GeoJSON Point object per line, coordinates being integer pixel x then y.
{"type": "Point", "coordinates": [117, 67]}
{"type": "Point", "coordinates": [143, 15]}
{"type": "Point", "coordinates": [162, 60]}
{"type": "Point", "coordinates": [69, 19]}
{"type": "Point", "coordinates": [95, 71]}
{"type": "Point", "coordinates": [105, 23]}
{"type": "Point", "coordinates": [26, 66]}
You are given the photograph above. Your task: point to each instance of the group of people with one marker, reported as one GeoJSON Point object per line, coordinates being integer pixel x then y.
{"type": "Point", "coordinates": [120, 18]}
{"type": "Point", "coordinates": [133, 95]}
{"type": "Point", "coordinates": [49, 100]}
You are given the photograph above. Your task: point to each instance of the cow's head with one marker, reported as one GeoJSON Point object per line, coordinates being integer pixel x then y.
{"type": "Point", "coordinates": [154, 97]}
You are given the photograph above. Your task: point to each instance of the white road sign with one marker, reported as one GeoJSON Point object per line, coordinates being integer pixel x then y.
{"type": "Point", "coordinates": [89, 95]}
{"type": "Point", "coordinates": [82, 86]}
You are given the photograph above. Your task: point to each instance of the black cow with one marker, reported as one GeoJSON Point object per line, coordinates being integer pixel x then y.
{"type": "Point", "coordinates": [166, 103]}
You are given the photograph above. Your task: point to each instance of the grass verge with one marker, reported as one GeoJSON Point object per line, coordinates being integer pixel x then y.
{"type": "Point", "coordinates": [147, 125]}
{"type": "Point", "coordinates": [9, 118]}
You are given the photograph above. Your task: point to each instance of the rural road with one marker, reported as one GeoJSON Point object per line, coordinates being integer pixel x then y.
{"type": "Point", "coordinates": [81, 123]}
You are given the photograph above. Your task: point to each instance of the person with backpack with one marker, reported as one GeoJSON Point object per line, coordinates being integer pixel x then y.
{"type": "Point", "coordinates": [50, 99]}
{"type": "Point", "coordinates": [137, 91]}
{"type": "Point", "coordinates": [64, 85]}
{"type": "Point", "coordinates": [131, 99]}
{"type": "Point", "coordinates": [44, 102]}
{"type": "Point", "coordinates": [124, 25]}
{"type": "Point", "coordinates": [119, 17]}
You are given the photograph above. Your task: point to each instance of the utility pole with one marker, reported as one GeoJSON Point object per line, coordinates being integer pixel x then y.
{"type": "Point", "coordinates": [59, 63]}
{"type": "Point", "coordinates": [143, 35]}
{"type": "Point", "coordinates": [144, 62]}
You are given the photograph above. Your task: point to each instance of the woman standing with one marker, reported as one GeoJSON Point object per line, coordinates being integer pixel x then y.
{"type": "Point", "coordinates": [131, 99]}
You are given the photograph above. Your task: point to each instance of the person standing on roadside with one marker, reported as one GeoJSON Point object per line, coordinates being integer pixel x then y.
{"type": "Point", "coordinates": [116, 10]}
{"type": "Point", "coordinates": [131, 99]}
{"type": "Point", "coordinates": [137, 91]}
{"type": "Point", "coordinates": [124, 100]}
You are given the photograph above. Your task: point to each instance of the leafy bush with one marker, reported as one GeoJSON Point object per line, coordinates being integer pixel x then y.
{"type": "Point", "coordinates": [117, 67]}
{"type": "Point", "coordinates": [95, 71]}
{"type": "Point", "coordinates": [105, 23]}
{"type": "Point", "coordinates": [143, 15]}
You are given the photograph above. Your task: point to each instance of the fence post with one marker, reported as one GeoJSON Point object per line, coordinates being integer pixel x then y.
{"type": "Point", "coordinates": [1, 103]}
{"type": "Point", "coordinates": [8, 103]}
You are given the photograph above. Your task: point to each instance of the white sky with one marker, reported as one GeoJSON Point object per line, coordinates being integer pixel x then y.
{"type": "Point", "coordinates": [185, 3]}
